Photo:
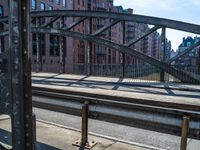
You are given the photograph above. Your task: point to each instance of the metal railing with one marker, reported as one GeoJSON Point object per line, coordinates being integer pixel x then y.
{"type": "Point", "coordinates": [139, 72]}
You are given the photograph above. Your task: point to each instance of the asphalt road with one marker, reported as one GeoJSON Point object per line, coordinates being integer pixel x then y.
{"type": "Point", "coordinates": [155, 139]}
{"type": "Point", "coordinates": [141, 136]}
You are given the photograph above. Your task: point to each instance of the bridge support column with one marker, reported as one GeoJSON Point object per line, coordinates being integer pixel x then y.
{"type": "Point", "coordinates": [199, 63]}
{"type": "Point", "coordinates": [163, 46]}
{"type": "Point", "coordinates": [123, 54]}
{"type": "Point", "coordinates": [89, 66]}
{"type": "Point", "coordinates": [84, 143]}
{"type": "Point", "coordinates": [185, 129]}
{"type": "Point", "coordinates": [21, 97]}
{"type": "Point", "coordinates": [37, 49]}
{"type": "Point", "coordinates": [62, 47]}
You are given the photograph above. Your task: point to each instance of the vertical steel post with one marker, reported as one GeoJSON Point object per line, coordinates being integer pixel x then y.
{"type": "Point", "coordinates": [37, 47]}
{"type": "Point", "coordinates": [123, 54]}
{"type": "Point", "coordinates": [19, 44]}
{"type": "Point", "coordinates": [34, 131]}
{"type": "Point", "coordinates": [90, 49]}
{"type": "Point", "coordinates": [185, 129]}
{"type": "Point", "coordinates": [61, 48]}
{"type": "Point", "coordinates": [64, 47]}
{"type": "Point", "coordinates": [163, 46]}
{"type": "Point", "coordinates": [89, 53]}
{"type": "Point", "coordinates": [84, 136]}
{"type": "Point", "coordinates": [198, 65]}
{"type": "Point", "coordinates": [84, 142]}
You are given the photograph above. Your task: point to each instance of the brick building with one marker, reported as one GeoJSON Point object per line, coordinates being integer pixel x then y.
{"type": "Point", "coordinates": [192, 58]}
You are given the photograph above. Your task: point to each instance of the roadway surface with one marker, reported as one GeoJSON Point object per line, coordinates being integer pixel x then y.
{"type": "Point", "coordinates": [163, 141]}
{"type": "Point", "coordinates": [117, 84]}
{"type": "Point", "coordinates": [129, 134]}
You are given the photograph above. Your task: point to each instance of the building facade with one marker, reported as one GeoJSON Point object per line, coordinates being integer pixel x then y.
{"type": "Point", "coordinates": [190, 59]}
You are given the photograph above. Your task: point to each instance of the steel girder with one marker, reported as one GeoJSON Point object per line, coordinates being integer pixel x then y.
{"type": "Point", "coordinates": [177, 25]}
{"type": "Point", "coordinates": [183, 76]}
{"type": "Point", "coordinates": [15, 75]}
{"type": "Point", "coordinates": [160, 22]}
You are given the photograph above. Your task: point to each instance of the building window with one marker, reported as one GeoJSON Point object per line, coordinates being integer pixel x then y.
{"type": "Point", "coordinates": [58, 2]}
{"type": "Point", "coordinates": [50, 8]}
{"type": "Point", "coordinates": [188, 44]}
{"type": "Point", "coordinates": [54, 45]}
{"type": "Point", "coordinates": [1, 10]}
{"type": "Point", "coordinates": [64, 3]}
{"type": "Point", "coordinates": [33, 4]}
{"type": "Point", "coordinates": [42, 6]}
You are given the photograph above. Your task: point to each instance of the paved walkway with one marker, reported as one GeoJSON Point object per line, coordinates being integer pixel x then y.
{"type": "Point", "coordinates": [57, 137]}
{"type": "Point", "coordinates": [119, 81]}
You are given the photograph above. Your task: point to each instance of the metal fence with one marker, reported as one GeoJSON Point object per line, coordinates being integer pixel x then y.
{"type": "Point", "coordinates": [140, 72]}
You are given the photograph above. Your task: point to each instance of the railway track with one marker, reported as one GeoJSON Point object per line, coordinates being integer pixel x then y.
{"type": "Point", "coordinates": [156, 116]}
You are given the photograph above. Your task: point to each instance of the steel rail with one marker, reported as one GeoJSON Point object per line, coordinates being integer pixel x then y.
{"type": "Point", "coordinates": [168, 23]}
{"type": "Point", "coordinates": [147, 116]}
{"type": "Point", "coordinates": [183, 76]}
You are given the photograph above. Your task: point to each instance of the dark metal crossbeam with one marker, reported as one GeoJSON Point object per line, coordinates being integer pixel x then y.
{"type": "Point", "coordinates": [178, 25]}
{"type": "Point", "coordinates": [184, 52]}
{"type": "Point", "coordinates": [101, 30]}
{"type": "Point", "coordinates": [50, 22]}
{"type": "Point", "coordinates": [3, 19]}
{"type": "Point", "coordinates": [71, 26]}
{"type": "Point", "coordinates": [143, 36]}
{"type": "Point", "coordinates": [124, 49]}
{"type": "Point", "coordinates": [3, 33]}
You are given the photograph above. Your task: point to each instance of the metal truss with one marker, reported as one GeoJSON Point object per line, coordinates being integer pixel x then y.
{"type": "Point", "coordinates": [117, 17]}
{"type": "Point", "coordinates": [15, 75]}
{"type": "Point", "coordinates": [125, 47]}
{"type": "Point", "coordinates": [177, 25]}
{"type": "Point", "coordinates": [164, 66]}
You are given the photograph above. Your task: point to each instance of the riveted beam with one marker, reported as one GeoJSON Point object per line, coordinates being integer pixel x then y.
{"type": "Point", "coordinates": [19, 45]}
{"type": "Point", "coordinates": [178, 25]}
{"type": "Point", "coordinates": [163, 46]}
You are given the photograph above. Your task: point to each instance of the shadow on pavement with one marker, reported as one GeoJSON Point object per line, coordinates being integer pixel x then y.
{"type": "Point", "coordinates": [6, 138]}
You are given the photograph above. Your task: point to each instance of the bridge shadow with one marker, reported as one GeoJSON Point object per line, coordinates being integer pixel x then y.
{"type": "Point", "coordinates": [120, 85]}
{"type": "Point", "coordinates": [6, 138]}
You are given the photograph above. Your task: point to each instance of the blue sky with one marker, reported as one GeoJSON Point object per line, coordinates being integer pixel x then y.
{"type": "Point", "coordinates": [182, 10]}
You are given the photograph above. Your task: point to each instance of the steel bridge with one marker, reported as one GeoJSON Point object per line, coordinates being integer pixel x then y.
{"type": "Point", "coordinates": [15, 73]}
